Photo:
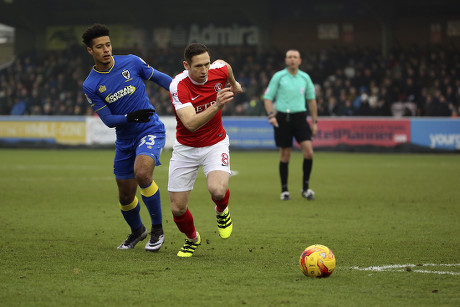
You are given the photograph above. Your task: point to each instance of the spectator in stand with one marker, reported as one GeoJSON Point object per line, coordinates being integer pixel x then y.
{"type": "Point", "coordinates": [360, 97]}
{"type": "Point", "coordinates": [35, 103]}
{"type": "Point", "coordinates": [332, 106]}
{"type": "Point", "coordinates": [321, 106]}
{"type": "Point", "coordinates": [364, 107]}
{"type": "Point", "coordinates": [346, 108]}
{"type": "Point", "coordinates": [444, 108]}
{"type": "Point", "coordinates": [430, 106]}
{"type": "Point", "coordinates": [255, 107]}
{"type": "Point", "coordinates": [19, 107]}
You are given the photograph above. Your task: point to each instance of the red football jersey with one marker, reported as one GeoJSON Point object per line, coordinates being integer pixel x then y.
{"type": "Point", "coordinates": [185, 92]}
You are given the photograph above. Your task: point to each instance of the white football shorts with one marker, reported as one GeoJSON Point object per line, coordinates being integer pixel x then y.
{"type": "Point", "coordinates": [186, 160]}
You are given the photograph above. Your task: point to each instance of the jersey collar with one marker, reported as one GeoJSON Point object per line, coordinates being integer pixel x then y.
{"type": "Point", "coordinates": [105, 71]}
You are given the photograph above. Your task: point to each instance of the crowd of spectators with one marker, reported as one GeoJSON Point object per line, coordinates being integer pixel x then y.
{"type": "Point", "coordinates": [349, 81]}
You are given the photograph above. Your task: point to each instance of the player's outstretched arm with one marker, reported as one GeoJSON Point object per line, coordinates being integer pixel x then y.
{"type": "Point", "coordinates": [109, 119]}
{"type": "Point", "coordinates": [112, 121]}
{"type": "Point", "coordinates": [161, 79]}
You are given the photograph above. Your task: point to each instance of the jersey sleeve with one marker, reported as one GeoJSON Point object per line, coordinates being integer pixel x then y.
{"type": "Point", "coordinates": [310, 90]}
{"type": "Point", "coordinates": [180, 95]}
{"type": "Point", "coordinates": [161, 79]}
{"type": "Point", "coordinates": [145, 71]}
{"type": "Point", "coordinates": [221, 70]}
{"type": "Point", "coordinates": [272, 89]}
{"type": "Point", "coordinates": [149, 73]}
{"type": "Point", "coordinates": [98, 106]}
{"type": "Point", "coordinates": [95, 102]}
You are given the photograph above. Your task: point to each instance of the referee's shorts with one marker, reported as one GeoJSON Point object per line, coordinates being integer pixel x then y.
{"type": "Point", "coordinates": [291, 125]}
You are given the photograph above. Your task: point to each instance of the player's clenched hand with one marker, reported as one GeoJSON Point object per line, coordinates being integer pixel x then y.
{"type": "Point", "coordinates": [140, 116]}
{"type": "Point", "coordinates": [224, 96]}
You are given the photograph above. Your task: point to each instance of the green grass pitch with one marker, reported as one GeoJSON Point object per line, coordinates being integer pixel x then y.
{"type": "Point", "coordinates": [392, 220]}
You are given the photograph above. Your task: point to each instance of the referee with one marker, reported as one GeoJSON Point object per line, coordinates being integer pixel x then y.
{"type": "Point", "coordinates": [291, 88]}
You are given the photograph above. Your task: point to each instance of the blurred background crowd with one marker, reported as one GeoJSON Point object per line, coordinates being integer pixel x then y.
{"type": "Point", "coordinates": [358, 81]}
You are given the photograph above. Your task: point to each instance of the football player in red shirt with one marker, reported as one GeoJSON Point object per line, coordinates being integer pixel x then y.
{"type": "Point", "coordinates": [198, 95]}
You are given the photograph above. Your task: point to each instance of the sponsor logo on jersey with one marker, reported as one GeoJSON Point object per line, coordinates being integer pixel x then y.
{"type": "Point", "coordinates": [203, 107]}
{"type": "Point", "coordinates": [102, 89]}
{"type": "Point", "coordinates": [224, 159]}
{"type": "Point", "coordinates": [217, 87]}
{"type": "Point", "coordinates": [127, 90]}
{"type": "Point", "coordinates": [126, 74]}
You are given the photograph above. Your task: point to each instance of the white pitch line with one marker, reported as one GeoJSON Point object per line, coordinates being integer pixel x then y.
{"type": "Point", "coordinates": [437, 272]}
{"type": "Point", "coordinates": [398, 267]}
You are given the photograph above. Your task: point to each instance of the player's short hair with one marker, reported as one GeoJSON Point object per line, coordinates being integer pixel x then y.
{"type": "Point", "coordinates": [194, 49]}
{"type": "Point", "coordinates": [295, 50]}
{"type": "Point", "coordinates": [95, 31]}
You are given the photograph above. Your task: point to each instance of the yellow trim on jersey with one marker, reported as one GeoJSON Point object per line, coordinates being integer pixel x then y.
{"type": "Point", "coordinates": [99, 108]}
{"type": "Point", "coordinates": [130, 206]}
{"type": "Point", "coordinates": [152, 73]}
{"type": "Point", "coordinates": [150, 190]}
{"type": "Point", "coordinates": [107, 71]}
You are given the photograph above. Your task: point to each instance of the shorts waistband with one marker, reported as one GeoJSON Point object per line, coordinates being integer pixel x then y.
{"type": "Point", "coordinates": [302, 113]}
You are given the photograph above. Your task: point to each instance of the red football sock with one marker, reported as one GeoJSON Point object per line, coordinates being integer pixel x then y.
{"type": "Point", "coordinates": [223, 203]}
{"type": "Point", "coordinates": [185, 224]}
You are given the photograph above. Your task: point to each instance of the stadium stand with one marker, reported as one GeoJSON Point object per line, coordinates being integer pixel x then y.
{"type": "Point", "coordinates": [359, 81]}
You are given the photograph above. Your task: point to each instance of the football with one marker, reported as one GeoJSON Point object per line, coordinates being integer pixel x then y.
{"type": "Point", "coordinates": [317, 261]}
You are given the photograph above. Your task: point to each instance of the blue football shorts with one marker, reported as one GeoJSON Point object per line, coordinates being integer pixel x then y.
{"type": "Point", "coordinates": [126, 152]}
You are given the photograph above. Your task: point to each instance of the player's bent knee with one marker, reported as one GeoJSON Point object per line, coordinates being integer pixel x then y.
{"type": "Point", "coordinates": [178, 211]}
{"type": "Point", "coordinates": [178, 203]}
{"type": "Point", "coordinates": [218, 192]}
{"type": "Point", "coordinates": [126, 199]}
{"type": "Point", "coordinates": [143, 178]}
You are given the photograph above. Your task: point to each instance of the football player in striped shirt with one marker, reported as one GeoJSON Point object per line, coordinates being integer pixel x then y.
{"type": "Point", "coordinates": [115, 90]}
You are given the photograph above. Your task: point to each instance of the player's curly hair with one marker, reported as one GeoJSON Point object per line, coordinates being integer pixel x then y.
{"type": "Point", "coordinates": [194, 49]}
{"type": "Point", "coordinates": [95, 31]}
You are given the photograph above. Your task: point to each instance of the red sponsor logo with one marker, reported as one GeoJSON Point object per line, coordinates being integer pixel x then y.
{"type": "Point", "coordinates": [224, 159]}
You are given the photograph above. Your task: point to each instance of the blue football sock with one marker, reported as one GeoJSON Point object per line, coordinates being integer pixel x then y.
{"type": "Point", "coordinates": [152, 200]}
{"type": "Point", "coordinates": [131, 214]}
